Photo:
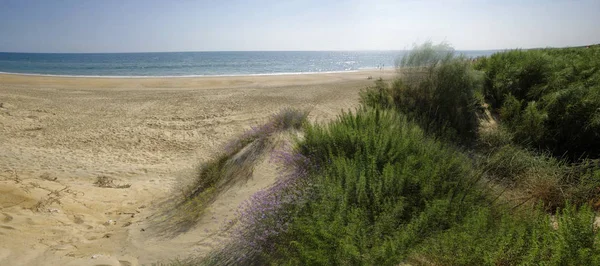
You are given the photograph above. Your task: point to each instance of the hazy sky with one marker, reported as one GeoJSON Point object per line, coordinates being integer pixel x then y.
{"type": "Point", "coordinates": [221, 25]}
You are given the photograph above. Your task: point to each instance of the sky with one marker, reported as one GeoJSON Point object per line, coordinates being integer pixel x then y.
{"type": "Point", "coordinates": [84, 26]}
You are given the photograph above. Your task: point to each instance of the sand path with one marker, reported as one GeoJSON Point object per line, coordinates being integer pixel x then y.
{"type": "Point", "coordinates": [58, 135]}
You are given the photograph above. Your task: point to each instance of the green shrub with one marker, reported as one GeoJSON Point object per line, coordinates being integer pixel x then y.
{"type": "Point", "coordinates": [377, 189]}
{"type": "Point", "coordinates": [549, 98]}
{"type": "Point", "coordinates": [437, 89]}
{"type": "Point", "coordinates": [573, 126]}
{"type": "Point", "coordinates": [538, 178]}
{"type": "Point", "coordinates": [377, 96]}
{"type": "Point", "coordinates": [521, 73]}
{"type": "Point", "coordinates": [510, 113]}
{"type": "Point", "coordinates": [494, 138]}
{"type": "Point", "coordinates": [583, 182]}
{"type": "Point", "coordinates": [502, 237]}
{"type": "Point", "coordinates": [427, 55]}
{"type": "Point", "coordinates": [510, 164]}
{"type": "Point", "coordinates": [381, 186]}
{"type": "Point", "coordinates": [528, 124]}
{"type": "Point", "coordinates": [530, 127]}
{"type": "Point", "coordinates": [543, 178]}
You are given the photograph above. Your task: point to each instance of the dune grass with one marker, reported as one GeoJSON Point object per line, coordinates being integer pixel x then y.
{"type": "Point", "coordinates": [234, 164]}
{"type": "Point", "coordinates": [410, 179]}
{"type": "Point", "coordinates": [378, 191]}
{"type": "Point", "coordinates": [541, 178]}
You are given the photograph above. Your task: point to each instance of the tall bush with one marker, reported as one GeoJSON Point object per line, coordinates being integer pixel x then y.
{"type": "Point", "coordinates": [558, 96]}
{"type": "Point", "coordinates": [437, 88]}
{"type": "Point", "coordinates": [382, 185]}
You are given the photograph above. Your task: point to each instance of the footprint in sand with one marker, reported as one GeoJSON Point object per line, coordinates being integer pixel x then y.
{"type": "Point", "coordinates": [125, 263]}
{"type": "Point", "coordinates": [78, 219]}
{"type": "Point", "coordinates": [7, 218]}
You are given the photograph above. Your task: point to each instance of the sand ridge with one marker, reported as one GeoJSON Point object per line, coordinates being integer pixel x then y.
{"type": "Point", "coordinates": [59, 134]}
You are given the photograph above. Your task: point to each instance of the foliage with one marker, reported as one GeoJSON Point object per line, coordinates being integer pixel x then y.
{"type": "Point", "coordinates": [384, 193]}
{"type": "Point", "coordinates": [436, 88]}
{"type": "Point", "coordinates": [494, 138]}
{"type": "Point", "coordinates": [501, 237]}
{"type": "Point", "coordinates": [549, 98]}
{"type": "Point", "coordinates": [234, 164]}
{"type": "Point", "coordinates": [377, 96]}
{"type": "Point", "coordinates": [382, 185]}
{"type": "Point", "coordinates": [541, 177]}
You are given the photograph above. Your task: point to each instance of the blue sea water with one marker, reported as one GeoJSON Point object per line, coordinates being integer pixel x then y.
{"type": "Point", "coordinates": [199, 63]}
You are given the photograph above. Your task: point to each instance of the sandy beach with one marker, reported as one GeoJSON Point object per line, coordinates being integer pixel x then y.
{"type": "Point", "coordinates": [59, 134]}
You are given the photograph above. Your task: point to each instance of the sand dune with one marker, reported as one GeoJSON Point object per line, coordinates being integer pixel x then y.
{"type": "Point", "coordinates": [59, 134]}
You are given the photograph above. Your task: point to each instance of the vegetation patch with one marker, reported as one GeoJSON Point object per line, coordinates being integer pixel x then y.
{"type": "Point", "coordinates": [496, 236]}
{"type": "Point", "coordinates": [235, 164]}
{"type": "Point", "coordinates": [436, 88]}
{"type": "Point", "coordinates": [413, 178]}
{"type": "Point", "coordinates": [548, 98]}
{"type": "Point", "coordinates": [108, 182]}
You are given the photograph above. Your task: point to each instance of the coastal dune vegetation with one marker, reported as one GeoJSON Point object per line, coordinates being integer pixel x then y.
{"type": "Point", "coordinates": [493, 161]}
{"type": "Point", "coordinates": [234, 165]}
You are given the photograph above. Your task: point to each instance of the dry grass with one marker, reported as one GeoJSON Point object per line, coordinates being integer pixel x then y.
{"type": "Point", "coordinates": [48, 177]}
{"type": "Point", "coordinates": [108, 182]}
{"type": "Point", "coordinates": [213, 178]}
{"type": "Point", "coordinates": [53, 197]}
{"type": "Point", "coordinates": [235, 164]}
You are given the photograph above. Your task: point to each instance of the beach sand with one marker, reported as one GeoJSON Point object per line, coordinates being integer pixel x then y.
{"type": "Point", "coordinates": [59, 134]}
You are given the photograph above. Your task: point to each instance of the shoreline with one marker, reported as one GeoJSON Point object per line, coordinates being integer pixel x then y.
{"type": "Point", "coordinates": [369, 69]}
{"type": "Point", "coordinates": [195, 82]}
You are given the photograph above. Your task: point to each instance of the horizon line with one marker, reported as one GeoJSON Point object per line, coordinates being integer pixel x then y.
{"type": "Point", "coordinates": [241, 51]}
{"type": "Point", "coordinates": [244, 51]}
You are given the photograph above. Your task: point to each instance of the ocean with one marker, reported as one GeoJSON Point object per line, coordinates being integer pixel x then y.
{"type": "Point", "coordinates": [199, 63]}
